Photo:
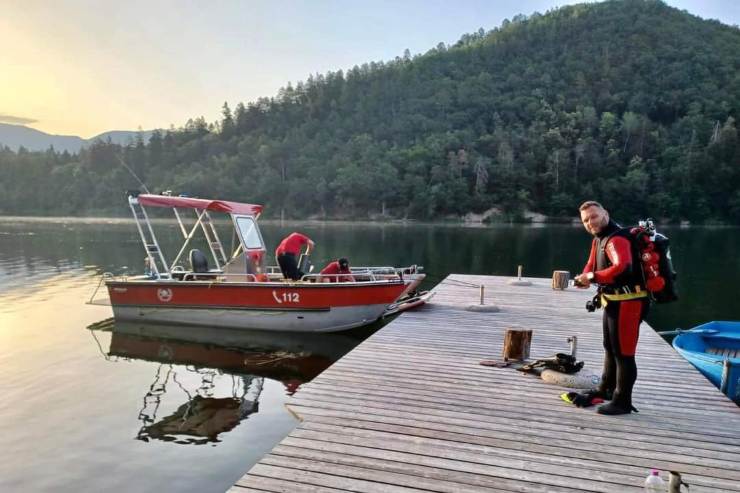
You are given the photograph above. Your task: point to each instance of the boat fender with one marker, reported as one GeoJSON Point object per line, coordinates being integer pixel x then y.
{"type": "Point", "coordinates": [584, 379]}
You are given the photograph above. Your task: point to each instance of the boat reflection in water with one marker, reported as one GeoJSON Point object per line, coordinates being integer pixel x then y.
{"type": "Point", "coordinates": [219, 372]}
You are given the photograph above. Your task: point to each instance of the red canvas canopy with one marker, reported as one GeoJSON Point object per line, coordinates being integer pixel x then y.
{"type": "Point", "coordinates": [191, 203]}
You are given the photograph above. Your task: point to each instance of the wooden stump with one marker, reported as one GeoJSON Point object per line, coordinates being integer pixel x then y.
{"type": "Point", "coordinates": [560, 279]}
{"type": "Point", "coordinates": [516, 344]}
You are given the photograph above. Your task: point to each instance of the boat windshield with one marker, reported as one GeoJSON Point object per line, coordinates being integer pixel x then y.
{"type": "Point", "coordinates": [250, 234]}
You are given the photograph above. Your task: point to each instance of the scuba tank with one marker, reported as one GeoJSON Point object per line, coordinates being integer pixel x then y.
{"type": "Point", "coordinates": [304, 263]}
{"type": "Point", "coordinates": [653, 250]}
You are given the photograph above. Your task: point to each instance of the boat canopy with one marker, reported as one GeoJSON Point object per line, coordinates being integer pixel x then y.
{"type": "Point", "coordinates": [193, 203]}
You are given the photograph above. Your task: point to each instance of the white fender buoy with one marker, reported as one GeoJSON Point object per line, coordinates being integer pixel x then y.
{"type": "Point", "coordinates": [584, 379]}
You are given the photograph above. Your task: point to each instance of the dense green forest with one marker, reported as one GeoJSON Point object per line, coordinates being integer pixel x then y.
{"type": "Point", "coordinates": [632, 103]}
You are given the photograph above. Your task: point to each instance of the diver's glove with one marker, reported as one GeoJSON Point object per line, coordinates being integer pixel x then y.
{"type": "Point", "coordinates": [584, 399]}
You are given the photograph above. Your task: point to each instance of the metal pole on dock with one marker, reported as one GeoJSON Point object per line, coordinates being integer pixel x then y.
{"type": "Point", "coordinates": [481, 305]}
{"type": "Point", "coordinates": [519, 281]}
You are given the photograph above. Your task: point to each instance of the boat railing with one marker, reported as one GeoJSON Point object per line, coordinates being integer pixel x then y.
{"type": "Point", "coordinates": [412, 269]}
{"type": "Point", "coordinates": [366, 276]}
{"type": "Point", "coordinates": [103, 278]}
{"type": "Point", "coordinates": [218, 276]}
{"type": "Point", "coordinates": [362, 270]}
{"type": "Point", "coordinates": [202, 276]}
{"type": "Point", "coordinates": [375, 270]}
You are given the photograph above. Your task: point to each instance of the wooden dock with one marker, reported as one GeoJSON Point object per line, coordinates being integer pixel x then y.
{"type": "Point", "coordinates": [411, 409]}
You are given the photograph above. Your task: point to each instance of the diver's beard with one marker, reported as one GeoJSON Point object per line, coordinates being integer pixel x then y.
{"type": "Point", "coordinates": [598, 229]}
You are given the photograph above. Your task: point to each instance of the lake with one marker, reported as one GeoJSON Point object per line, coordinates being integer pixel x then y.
{"type": "Point", "coordinates": [89, 405]}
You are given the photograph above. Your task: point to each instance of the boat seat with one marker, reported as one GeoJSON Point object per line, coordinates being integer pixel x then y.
{"type": "Point", "coordinates": [728, 352]}
{"type": "Point", "coordinates": [198, 261]}
{"type": "Point", "coordinates": [199, 266]}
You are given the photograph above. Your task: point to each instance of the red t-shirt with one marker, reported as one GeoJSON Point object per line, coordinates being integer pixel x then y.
{"type": "Point", "coordinates": [292, 244]}
{"type": "Point", "coordinates": [334, 268]}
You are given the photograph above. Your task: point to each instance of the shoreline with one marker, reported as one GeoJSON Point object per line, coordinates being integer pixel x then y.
{"type": "Point", "coordinates": [336, 222]}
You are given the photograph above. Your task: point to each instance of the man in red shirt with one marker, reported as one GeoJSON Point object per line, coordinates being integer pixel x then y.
{"type": "Point", "coordinates": [623, 297]}
{"type": "Point", "coordinates": [287, 254]}
{"type": "Point", "coordinates": [340, 266]}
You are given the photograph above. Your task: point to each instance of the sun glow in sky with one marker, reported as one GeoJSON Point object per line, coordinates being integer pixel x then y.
{"type": "Point", "coordinates": [82, 67]}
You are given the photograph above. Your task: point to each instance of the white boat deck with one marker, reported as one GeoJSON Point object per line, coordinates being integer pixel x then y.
{"type": "Point", "coordinates": [411, 409]}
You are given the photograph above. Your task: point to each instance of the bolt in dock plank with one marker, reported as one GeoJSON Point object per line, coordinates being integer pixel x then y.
{"type": "Point", "coordinates": [411, 409]}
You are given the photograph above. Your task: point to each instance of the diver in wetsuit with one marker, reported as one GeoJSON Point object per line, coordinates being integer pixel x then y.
{"type": "Point", "coordinates": [625, 301]}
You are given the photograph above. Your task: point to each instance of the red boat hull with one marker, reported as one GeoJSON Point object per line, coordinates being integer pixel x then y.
{"type": "Point", "coordinates": [319, 307]}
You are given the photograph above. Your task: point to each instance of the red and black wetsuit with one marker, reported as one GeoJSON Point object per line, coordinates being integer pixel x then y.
{"type": "Point", "coordinates": [622, 290]}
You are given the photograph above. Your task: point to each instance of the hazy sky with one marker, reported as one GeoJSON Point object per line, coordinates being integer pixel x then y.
{"type": "Point", "coordinates": [84, 67]}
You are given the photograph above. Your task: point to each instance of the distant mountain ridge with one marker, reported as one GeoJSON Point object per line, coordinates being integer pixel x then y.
{"type": "Point", "coordinates": [17, 136]}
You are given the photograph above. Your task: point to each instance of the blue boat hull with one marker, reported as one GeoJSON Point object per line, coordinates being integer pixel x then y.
{"type": "Point", "coordinates": [714, 349]}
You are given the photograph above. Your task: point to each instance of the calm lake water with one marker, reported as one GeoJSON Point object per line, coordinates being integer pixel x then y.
{"type": "Point", "coordinates": [89, 405]}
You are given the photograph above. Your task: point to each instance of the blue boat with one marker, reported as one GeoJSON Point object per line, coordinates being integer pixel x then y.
{"type": "Point", "coordinates": [714, 349]}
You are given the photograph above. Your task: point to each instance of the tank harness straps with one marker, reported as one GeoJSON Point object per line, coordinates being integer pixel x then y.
{"type": "Point", "coordinates": [626, 295]}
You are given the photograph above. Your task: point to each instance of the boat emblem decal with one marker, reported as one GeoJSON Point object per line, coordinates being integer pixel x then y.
{"type": "Point", "coordinates": [164, 294]}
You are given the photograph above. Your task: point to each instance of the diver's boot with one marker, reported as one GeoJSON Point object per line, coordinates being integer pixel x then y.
{"type": "Point", "coordinates": [606, 394]}
{"type": "Point", "coordinates": [617, 406]}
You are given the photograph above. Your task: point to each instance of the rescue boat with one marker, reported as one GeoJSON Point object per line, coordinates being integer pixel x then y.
{"type": "Point", "coordinates": [238, 290]}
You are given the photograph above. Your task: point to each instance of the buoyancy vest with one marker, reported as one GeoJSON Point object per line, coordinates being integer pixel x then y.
{"type": "Point", "coordinates": [630, 279]}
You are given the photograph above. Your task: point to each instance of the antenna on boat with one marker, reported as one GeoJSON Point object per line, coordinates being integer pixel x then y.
{"type": "Point", "coordinates": [123, 163]}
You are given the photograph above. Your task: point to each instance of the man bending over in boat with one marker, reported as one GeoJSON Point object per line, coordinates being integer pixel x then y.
{"type": "Point", "coordinates": [340, 267]}
{"type": "Point", "coordinates": [287, 254]}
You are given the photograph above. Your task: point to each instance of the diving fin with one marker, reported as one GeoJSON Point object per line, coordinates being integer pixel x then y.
{"type": "Point", "coordinates": [567, 397]}
{"type": "Point", "coordinates": [585, 399]}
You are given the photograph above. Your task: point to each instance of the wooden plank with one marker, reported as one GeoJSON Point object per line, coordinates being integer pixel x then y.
{"type": "Point", "coordinates": [320, 475]}
{"type": "Point", "coordinates": [480, 384]}
{"type": "Point", "coordinates": [417, 452]}
{"type": "Point", "coordinates": [540, 421]}
{"type": "Point", "coordinates": [275, 485]}
{"type": "Point", "coordinates": [522, 433]}
{"type": "Point", "coordinates": [574, 421]}
{"type": "Point", "coordinates": [556, 461]}
{"type": "Point", "coordinates": [420, 474]}
{"type": "Point", "coordinates": [432, 387]}
{"type": "Point", "coordinates": [373, 471]}
{"type": "Point", "coordinates": [411, 409]}
{"type": "Point", "coordinates": [606, 456]}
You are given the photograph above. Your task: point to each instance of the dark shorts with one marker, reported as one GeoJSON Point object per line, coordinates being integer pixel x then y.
{"type": "Point", "coordinates": [289, 266]}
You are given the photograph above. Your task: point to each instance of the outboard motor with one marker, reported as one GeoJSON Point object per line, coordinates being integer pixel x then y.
{"type": "Point", "coordinates": [198, 261]}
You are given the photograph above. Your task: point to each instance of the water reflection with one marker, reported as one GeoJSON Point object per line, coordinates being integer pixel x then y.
{"type": "Point", "coordinates": [204, 416]}
{"type": "Point", "coordinates": [208, 380]}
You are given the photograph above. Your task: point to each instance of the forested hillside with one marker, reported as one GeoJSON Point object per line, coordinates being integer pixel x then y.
{"type": "Point", "coordinates": [633, 103]}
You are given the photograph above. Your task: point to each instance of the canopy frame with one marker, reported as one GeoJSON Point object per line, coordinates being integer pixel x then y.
{"type": "Point", "coordinates": [157, 265]}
